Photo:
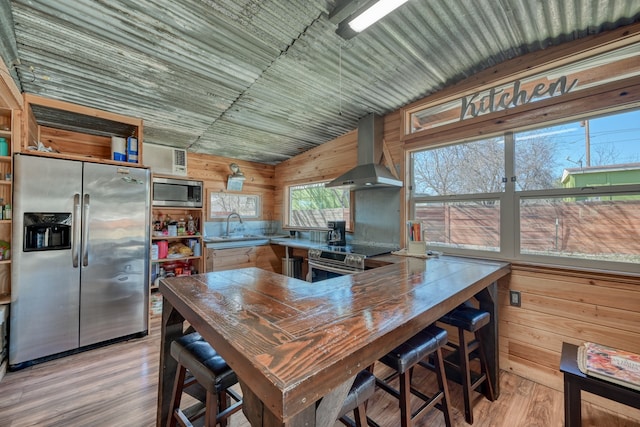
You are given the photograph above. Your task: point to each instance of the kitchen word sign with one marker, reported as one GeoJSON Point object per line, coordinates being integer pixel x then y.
{"type": "Point", "coordinates": [498, 99]}
{"type": "Point", "coordinates": [602, 68]}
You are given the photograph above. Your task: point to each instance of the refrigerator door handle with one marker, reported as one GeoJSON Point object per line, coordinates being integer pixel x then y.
{"type": "Point", "coordinates": [75, 240]}
{"type": "Point", "coordinates": [85, 231]}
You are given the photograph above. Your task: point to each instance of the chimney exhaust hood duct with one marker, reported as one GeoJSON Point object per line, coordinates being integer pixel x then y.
{"type": "Point", "coordinates": [369, 173]}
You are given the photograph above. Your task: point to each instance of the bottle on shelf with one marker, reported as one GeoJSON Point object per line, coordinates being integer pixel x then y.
{"type": "Point", "coordinates": [159, 225]}
{"type": "Point", "coordinates": [191, 225]}
{"type": "Point", "coordinates": [4, 147]}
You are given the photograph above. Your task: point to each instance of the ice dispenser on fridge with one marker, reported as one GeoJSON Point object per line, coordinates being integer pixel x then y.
{"type": "Point", "coordinates": [47, 231]}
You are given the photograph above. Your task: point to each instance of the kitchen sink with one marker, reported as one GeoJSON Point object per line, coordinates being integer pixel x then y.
{"type": "Point", "coordinates": [235, 241]}
{"type": "Point", "coordinates": [238, 240]}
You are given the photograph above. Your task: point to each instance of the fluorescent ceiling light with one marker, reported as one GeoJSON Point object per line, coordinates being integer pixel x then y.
{"type": "Point", "coordinates": [374, 13]}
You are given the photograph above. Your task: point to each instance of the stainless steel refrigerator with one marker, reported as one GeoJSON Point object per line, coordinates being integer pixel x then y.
{"type": "Point", "coordinates": [80, 269]}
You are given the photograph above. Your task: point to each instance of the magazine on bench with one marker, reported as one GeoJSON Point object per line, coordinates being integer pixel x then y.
{"type": "Point", "coordinates": [610, 364]}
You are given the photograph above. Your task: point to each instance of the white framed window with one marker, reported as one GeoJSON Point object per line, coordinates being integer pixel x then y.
{"type": "Point", "coordinates": [312, 205]}
{"type": "Point", "coordinates": [564, 194]}
{"type": "Point", "coordinates": [221, 204]}
{"type": "Point", "coordinates": [457, 191]}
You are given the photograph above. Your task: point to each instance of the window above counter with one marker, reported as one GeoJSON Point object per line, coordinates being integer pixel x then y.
{"type": "Point", "coordinates": [565, 194]}
{"type": "Point", "coordinates": [312, 206]}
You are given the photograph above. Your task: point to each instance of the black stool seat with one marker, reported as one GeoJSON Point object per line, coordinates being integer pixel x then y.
{"type": "Point", "coordinates": [204, 363]}
{"type": "Point", "coordinates": [362, 389]}
{"type": "Point", "coordinates": [416, 348]}
{"type": "Point", "coordinates": [468, 318]}
{"type": "Point", "coordinates": [415, 352]}
{"type": "Point", "coordinates": [208, 369]}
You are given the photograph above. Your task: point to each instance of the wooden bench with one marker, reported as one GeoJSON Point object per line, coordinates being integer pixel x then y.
{"type": "Point", "coordinates": [575, 381]}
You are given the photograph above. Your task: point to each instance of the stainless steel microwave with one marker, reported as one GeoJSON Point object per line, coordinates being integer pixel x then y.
{"type": "Point", "coordinates": [177, 192]}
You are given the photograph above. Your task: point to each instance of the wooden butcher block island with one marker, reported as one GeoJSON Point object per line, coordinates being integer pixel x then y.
{"type": "Point", "coordinates": [297, 346]}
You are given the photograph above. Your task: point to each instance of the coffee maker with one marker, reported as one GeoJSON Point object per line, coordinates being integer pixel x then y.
{"type": "Point", "coordinates": [336, 233]}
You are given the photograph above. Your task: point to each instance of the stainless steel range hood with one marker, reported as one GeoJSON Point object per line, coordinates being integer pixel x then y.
{"type": "Point", "coordinates": [369, 173]}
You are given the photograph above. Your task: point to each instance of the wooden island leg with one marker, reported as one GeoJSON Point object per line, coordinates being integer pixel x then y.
{"type": "Point", "coordinates": [171, 328]}
{"type": "Point", "coordinates": [319, 414]}
{"type": "Point", "coordinates": [488, 299]}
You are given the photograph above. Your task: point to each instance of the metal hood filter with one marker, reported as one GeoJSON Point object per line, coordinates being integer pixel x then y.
{"type": "Point", "coordinates": [369, 173]}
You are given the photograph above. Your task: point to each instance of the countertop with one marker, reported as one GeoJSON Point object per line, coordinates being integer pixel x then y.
{"type": "Point", "coordinates": [295, 242]}
{"type": "Point", "coordinates": [256, 240]}
{"type": "Point", "coordinates": [292, 342]}
{"type": "Point", "coordinates": [282, 239]}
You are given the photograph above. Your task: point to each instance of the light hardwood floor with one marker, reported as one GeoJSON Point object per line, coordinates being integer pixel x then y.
{"type": "Point", "coordinates": [116, 386]}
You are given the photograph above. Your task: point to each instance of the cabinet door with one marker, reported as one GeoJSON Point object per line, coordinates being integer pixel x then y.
{"type": "Point", "coordinates": [269, 257]}
{"type": "Point", "coordinates": [229, 259]}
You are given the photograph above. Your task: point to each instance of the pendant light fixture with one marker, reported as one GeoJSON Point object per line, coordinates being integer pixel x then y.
{"type": "Point", "coordinates": [236, 179]}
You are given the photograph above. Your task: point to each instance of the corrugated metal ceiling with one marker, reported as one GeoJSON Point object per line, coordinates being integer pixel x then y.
{"type": "Point", "coordinates": [266, 80]}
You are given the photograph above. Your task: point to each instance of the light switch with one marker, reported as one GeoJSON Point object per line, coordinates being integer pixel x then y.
{"type": "Point", "coordinates": [514, 297]}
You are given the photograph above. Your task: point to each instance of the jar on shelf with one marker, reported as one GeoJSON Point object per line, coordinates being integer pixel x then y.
{"type": "Point", "coordinates": [191, 226]}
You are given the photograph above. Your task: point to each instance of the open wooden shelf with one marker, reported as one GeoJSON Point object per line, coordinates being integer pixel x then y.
{"type": "Point", "coordinates": [197, 261]}
{"type": "Point", "coordinates": [184, 258]}
{"type": "Point", "coordinates": [84, 158]}
{"type": "Point", "coordinates": [76, 132]}
{"type": "Point", "coordinates": [180, 237]}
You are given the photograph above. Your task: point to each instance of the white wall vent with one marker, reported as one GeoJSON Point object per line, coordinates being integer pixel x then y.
{"type": "Point", "coordinates": [165, 160]}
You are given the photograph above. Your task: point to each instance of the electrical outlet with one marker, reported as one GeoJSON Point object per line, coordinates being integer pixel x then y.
{"type": "Point", "coordinates": [514, 298]}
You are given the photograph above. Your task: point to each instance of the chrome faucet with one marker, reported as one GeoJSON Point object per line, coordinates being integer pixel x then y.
{"type": "Point", "coordinates": [229, 217]}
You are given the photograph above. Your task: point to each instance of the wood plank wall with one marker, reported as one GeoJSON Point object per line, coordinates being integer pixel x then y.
{"type": "Point", "coordinates": [564, 305]}
{"type": "Point", "coordinates": [321, 163]}
{"type": "Point", "coordinates": [214, 170]}
{"type": "Point", "coordinates": [396, 150]}
{"type": "Point", "coordinates": [557, 304]}
{"type": "Point", "coordinates": [69, 142]}
{"type": "Point", "coordinates": [10, 96]}
{"type": "Point", "coordinates": [333, 158]}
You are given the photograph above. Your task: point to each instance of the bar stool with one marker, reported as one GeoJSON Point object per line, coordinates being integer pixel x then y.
{"type": "Point", "coordinates": [362, 389]}
{"type": "Point", "coordinates": [467, 318]}
{"type": "Point", "coordinates": [403, 359]}
{"type": "Point", "coordinates": [207, 368]}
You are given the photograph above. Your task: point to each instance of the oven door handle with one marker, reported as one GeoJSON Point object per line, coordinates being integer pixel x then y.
{"type": "Point", "coordinates": [331, 269]}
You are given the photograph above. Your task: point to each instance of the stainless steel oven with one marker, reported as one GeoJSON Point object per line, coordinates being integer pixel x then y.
{"type": "Point", "coordinates": [332, 261]}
